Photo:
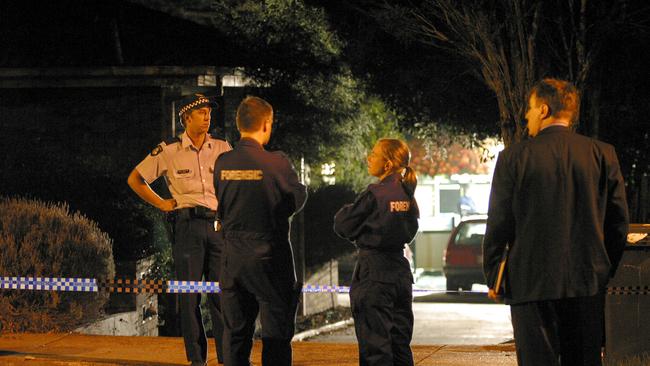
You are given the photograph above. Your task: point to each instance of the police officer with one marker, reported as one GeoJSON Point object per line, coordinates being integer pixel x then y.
{"type": "Point", "coordinates": [258, 192]}
{"type": "Point", "coordinates": [187, 163]}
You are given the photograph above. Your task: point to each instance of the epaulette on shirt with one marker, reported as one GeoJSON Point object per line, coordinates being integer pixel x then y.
{"type": "Point", "coordinates": [172, 140]}
{"type": "Point", "coordinates": [158, 149]}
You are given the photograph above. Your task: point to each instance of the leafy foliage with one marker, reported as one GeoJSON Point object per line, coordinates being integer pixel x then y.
{"type": "Point", "coordinates": [430, 60]}
{"type": "Point", "coordinates": [440, 148]}
{"type": "Point", "coordinates": [45, 240]}
{"type": "Point", "coordinates": [453, 159]}
{"type": "Point", "coordinates": [421, 85]}
{"type": "Point", "coordinates": [374, 121]}
{"type": "Point", "coordinates": [323, 112]}
{"type": "Point", "coordinates": [288, 30]}
{"type": "Point", "coordinates": [295, 58]}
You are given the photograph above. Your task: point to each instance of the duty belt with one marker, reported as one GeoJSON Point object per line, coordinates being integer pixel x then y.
{"type": "Point", "coordinates": [199, 212]}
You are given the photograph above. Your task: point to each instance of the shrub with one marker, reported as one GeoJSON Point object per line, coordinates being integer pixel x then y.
{"type": "Point", "coordinates": [40, 239]}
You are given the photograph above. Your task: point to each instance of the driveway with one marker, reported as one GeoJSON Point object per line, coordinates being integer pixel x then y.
{"type": "Point", "coordinates": [446, 318]}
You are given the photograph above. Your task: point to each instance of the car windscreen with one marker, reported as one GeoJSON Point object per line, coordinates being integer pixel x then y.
{"type": "Point", "coordinates": [470, 233]}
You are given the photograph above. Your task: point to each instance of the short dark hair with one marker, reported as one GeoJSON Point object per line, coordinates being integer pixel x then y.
{"type": "Point", "coordinates": [561, 97]}
{"type": "Point", "coordinates": [251, 113]}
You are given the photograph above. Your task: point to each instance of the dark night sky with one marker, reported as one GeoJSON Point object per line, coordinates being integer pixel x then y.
{"type": "Point", "coordinates": [420, 81]}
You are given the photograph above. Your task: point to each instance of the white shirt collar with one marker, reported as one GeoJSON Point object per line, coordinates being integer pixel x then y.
{"type": "Point", "coordinates": [557, 123]}
{"type": "Point", "coordinates": [187, 142]}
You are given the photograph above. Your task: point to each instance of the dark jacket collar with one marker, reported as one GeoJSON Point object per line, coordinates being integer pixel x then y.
{"type": "Point", "coordinates": [392, 178]}
{"type": "Point", "coordinates": [249, 142]}
{"type": "Point", "coordinates": [553, 129]}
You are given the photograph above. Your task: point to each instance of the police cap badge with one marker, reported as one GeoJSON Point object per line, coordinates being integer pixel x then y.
{"type": "Point", "coordinates": [194, 101]}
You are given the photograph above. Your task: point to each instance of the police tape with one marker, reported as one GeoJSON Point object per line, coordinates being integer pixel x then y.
{"type": "Point", "coordinates": [121, 285]}
{"type": "Point", "coordinates": [145, 286]}
{"type": "Point", "coordinates": [115, 285]}
{"type": "Point", "coordinates": [628, 290]}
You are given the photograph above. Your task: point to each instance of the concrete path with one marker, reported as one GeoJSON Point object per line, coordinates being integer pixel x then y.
{"type": "Point", "coordinates": [445, 323]}
{"type": "Point", "coordinates": [87, 350]}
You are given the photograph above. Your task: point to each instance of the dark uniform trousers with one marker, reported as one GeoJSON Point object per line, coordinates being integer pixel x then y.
{"type": "Point", "coordinates": [563, 332]}
{"type": "Point", "coordinates": [383, 315]}
{"type": "Point", "coordinates": [197, 253]}
{"type": "Point", "coordinates": [258, 274]}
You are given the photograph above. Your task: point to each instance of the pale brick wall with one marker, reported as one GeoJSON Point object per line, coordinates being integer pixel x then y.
{"type": "Point", "coordinates": [328, 274]}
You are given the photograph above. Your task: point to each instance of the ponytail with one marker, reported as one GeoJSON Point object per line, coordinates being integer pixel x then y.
{"type": "Point", "coordinates": [397, 152]}
{"type": "Point", "coordinates": [409, 180]}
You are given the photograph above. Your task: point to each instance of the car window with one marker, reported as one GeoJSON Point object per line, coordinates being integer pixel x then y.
{"type": "Point", "coordinates": [470, 233]}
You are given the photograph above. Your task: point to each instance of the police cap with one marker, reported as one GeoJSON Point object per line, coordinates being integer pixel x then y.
{"type": "Point", "coordinates": [194, 101]}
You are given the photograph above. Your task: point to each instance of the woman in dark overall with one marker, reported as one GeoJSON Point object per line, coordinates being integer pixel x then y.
{"type": "Point", "coordinates": [381, 222]}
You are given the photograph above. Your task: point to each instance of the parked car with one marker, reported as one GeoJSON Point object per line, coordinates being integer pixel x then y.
{"type": "Point", "coordinates": [463, 258]}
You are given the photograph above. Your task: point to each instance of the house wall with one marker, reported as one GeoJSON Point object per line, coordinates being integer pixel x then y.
{"type": "Point", "coordinates": [429, 247]}
{"type": "Point", "coordinates": [438, 199]}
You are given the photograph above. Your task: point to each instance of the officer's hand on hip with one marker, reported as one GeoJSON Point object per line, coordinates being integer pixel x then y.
{"type": "Point", "coordinates": [167, 205]}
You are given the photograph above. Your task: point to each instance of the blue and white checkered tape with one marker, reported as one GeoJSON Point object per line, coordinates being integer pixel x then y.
{"type": "Point", "coordinates": [134, 286]}
{"type": "Point", "coordinates": [49, 284]}
{"type": "Point", "coordinates": [186, 287]}
{"type": "Point", "coordinates": [325, 288]}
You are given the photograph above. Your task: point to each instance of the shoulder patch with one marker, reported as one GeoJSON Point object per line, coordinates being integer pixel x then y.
{"type": "Point", "coordinates": [157, 150]}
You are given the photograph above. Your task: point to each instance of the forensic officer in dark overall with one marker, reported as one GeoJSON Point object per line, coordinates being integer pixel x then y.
{"type": "Point", "coordinates": [258, 192]}
{"type": "Point", "coordinates": [187, 163]}
{"type": "Point", "coordinates": [381, 221]}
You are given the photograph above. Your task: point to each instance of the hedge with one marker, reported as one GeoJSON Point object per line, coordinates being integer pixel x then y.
{"type": "Point", "coordinates": [39, 239]}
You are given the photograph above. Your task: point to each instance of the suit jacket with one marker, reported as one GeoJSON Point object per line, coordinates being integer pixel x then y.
{"type": "Point", "coordinates": [559, 201]}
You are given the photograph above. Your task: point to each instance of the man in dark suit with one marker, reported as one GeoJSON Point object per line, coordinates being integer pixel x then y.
{"type": "Point", "coordinates": [558, 202]}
